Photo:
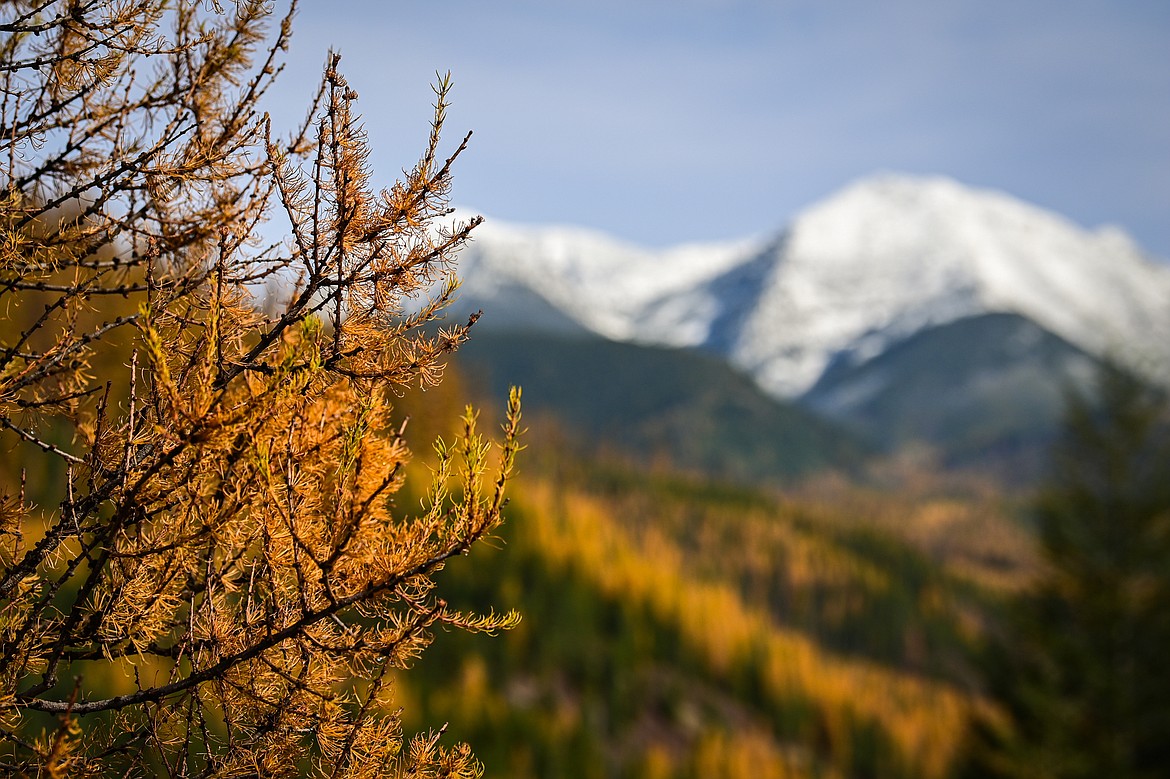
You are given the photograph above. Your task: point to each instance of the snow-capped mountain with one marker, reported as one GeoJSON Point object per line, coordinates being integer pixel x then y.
{"type": "Point", "coordinates": [891, 255]}
{"type": "Point", "coordinates": [615, 289]}
{"type": "Point", "coordinates": [872, 265]}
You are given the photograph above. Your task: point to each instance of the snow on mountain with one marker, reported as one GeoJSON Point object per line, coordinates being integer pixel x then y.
{"type": "Point", "coordinates": [612, 288]}
{"type": "Point", "coordinates": [893, 254]}
{"type": "Point", "coordinates": [875, 263]}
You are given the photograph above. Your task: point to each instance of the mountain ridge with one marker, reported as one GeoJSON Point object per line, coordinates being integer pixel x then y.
{"type": "Point", "coordinates": [679, 407]}
{"type": "Point", "coordinates": [892, 255]}
{"type": "Point", "coordinates": [882, 259]}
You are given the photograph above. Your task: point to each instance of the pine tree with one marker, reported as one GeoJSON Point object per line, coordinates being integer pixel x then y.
{"type": "Point", "coordinates": [1084, 677]}
{"type": "Point", "coordinates": [203, 570]}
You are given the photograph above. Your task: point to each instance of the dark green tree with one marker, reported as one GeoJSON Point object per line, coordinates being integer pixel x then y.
{"type": "Point", "coordinates": [1082, 672]}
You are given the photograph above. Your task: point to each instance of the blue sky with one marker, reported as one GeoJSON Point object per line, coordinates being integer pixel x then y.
{"type": "Point", "coordinates": [664, 122]}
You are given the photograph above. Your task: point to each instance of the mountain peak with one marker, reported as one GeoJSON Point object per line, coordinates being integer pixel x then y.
{"type": "Point", "coordinates": [891, 254]}
{"type": "Point", "coordinates": [880, 260]}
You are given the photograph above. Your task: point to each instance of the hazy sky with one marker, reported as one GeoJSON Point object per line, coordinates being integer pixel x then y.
{"type": "Point", "coordinates": [663, 122]}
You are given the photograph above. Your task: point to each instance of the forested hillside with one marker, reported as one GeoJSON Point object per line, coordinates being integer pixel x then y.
{"type": "Point", "coordinates": [674, 626]}
{"type": "Point", "coordinates": [677, 408]}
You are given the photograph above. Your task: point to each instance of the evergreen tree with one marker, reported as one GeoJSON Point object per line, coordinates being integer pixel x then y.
{"type": "Point", "coordinates": [1083, 675]}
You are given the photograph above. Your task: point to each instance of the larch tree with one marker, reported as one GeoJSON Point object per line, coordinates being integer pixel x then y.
{"type": "Point", "coordinates": [203, 569]}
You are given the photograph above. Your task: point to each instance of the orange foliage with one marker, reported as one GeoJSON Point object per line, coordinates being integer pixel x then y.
{"type": "Point", "coordinates": [924, 719]}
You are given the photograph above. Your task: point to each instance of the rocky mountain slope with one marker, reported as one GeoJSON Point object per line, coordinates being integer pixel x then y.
{"type": "Point", "coordinates": [903, 309]}
{"type": "Point", "coordinates": [885, 258]}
